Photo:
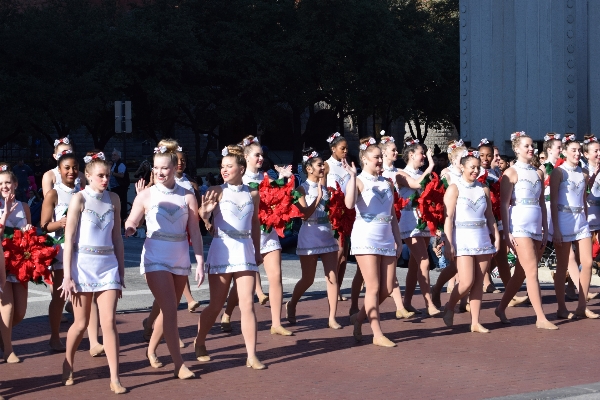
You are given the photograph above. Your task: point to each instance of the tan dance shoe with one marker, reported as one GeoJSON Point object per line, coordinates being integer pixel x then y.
{"type": "Point", "coordinates": [478, 328]}
{"type": "Point", "coordinates": [501, 316]}
{"type": "Point", "coordinates": [546, 325]}
{"type": "Point", "coordinates": [587, 313]}
{"type": "Point", "coordinates": [334, 325]}
{"type": "Point", "coordinates": [433, 311]}
{"type": "Point", "coordinates": [117, 388]}
{"type": "Point", "coordinates": [383, 342]}
{"type": "Point", "coordinates": [448, 317]}
{"type": "Point", "coordinates": [592, 296]}
{"type": "Point", "coordinates": [254, 363]}
{"type": "Point", "coordinates": [184, 373]}
{"type": "Point", "coordinates": [403, 314]}
{"type": "Point", "coordinates": [154, 361]}
{"type": "Point", "coordinates": [466, 308]}
{"type": "Point", "coordinates": [357, 333]}
{"type": "Point", "coordinates": [491, 289]}
{"type": "Point", "coordinates": [449, 288]}
{"type": "Point", "coordinates": [181, 344]}
{"type": "Point", "coordinates": [515, 301]}
{"type": "Point", "coordinates": [342, 298]}
{"type": "Point", "coordinates": [147, 330]}
{"type": "Point", "coordinates": [97, 350]}
{"type": "Point", "coordinates": [412, 309]}
{"type": "Point", "coordinates": [201, 353]}
{"type": "Point", "coordinates": [564, 315]}
{"type": "Point", "coordinates": [290, 314]}
{"type": "Point", "coordinates": [263, 300]}
{"type": "Point", "coordinates": [67, 378]}
{"type": "Point", "coordinates": [226, 323]}
{"type": "Point", "coordinates": [11, 358]}
{"type": "Point", "coordinates": [280, 330]}
{"type": "Point", "coordinates": [193, 305]}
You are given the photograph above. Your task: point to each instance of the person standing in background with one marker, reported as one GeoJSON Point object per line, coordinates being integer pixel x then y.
{"type": "Point", "coordinates": [22, 171]}
{"type": "Point", "coordinates": [38, 170]}
{"type": "Point", "coordinates": [119, 181]}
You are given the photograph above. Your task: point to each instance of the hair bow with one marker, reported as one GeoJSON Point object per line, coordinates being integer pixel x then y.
{"type": "Point", "coordinates": [483, 141]}
{"type": "Point", "coordinates": [64, 140]}
{"type": "Point", "coordinates": [467, 153]}
{"type": "Point", "coordinates": [62, 153]}
{"type": "Point", "coordinates": [364, 146]}
{"type": "Point", "coordinates": [97, 156]}
{"type": "Point", "coordinates": [515, 135]}
{"type": "Point", "coordinates": [536, 151]}
{"type": "Point", "coordinates": [332, 137]}
{"type": "Point", "coordinates": [248, 142]}
{"type": "Point", "coordinates": [388, 139]}
{"type": "Point", "coordinates": [412, 141]}
{"type": "Point", "coordinates": [569, 138]}
{"type": "Point", "coordinates": [179, 148]}
{"type": "Point", "coordinates": [225, 151]}
{"type": "Point", "coordinates": [161, 149]}
{"type": "Point", "coordinates": [455, 145]}
{"type": "Point", "coordinates": [590, 140]}
{"type": "Point", "coordinates": [554, 136]}
{"type": "Point", "coordinates": [311, 155]}
{"type": "Point", "coordinates": [4, 168]}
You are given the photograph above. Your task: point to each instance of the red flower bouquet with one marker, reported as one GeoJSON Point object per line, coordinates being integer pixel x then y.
{"type": "Point", "coordinates": [495, 199]}
{"type": "Point", "coordinates": [483, 178]}
{"type": "Point", "coordinates": [431, 204]}
{"type": "Point", "coordinates": [276, 210]}
{"type": "Point", "coordinates": [550, 168]}
{"type": "Point", "coordinates": [399, 204]}
{"type": "Point", "coordinates": [28, 256]}
{"type": "Point", "coordinates": [341, 218]}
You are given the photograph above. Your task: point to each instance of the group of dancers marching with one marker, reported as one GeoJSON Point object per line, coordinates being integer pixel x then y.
{"type": "Point", "coordinates": [559, 203]}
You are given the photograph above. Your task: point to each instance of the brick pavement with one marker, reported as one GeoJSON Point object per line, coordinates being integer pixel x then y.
{"type": "Point", "coordinates": [431, 361]}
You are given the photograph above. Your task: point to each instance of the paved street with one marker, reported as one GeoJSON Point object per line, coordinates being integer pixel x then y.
{"type": "Point", "coordinates": [430, 362]}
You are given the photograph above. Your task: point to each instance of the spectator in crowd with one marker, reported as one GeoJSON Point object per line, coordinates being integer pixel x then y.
{"type": "Point", "coordinates": [144, 171]}
{"type": "Point", "coordinates": [504, 163]}
{"type": "Point", "coordinates": [38, 170]}
{"type": "Point", "coordinates": [119, 181]}
{"type": "Point", "coordinates": [22, 171]}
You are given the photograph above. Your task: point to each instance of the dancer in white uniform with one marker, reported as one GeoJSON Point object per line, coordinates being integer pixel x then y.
{"type": "Point", "coordinates": [234, 252]}
{"type": "Point", "coordinates": [375, 236]}
{"type": "Point", "coordinates": [270, 248]}
{"type": "Point", "coordinates": [525, 228]}
{"type": "Point", "coordinates": [16, 215]}
{"type": "Point", "coordinates": [93, 257]}
{"type": "Point", "coordinates": [568, 184]}
{"type": "Point", "coordinates": [52, 177]}
{"type": "Point", "coordinates": [171, 217]}
{"type": "Point", "coordinates": [390, 154]}
{"type": "Point", "coordinates": [315, 238]}
{"type": "Point", "coordinates": [409, 181]}
{"type": "Point", "coordinates": [468, 227]}
{"type": "Point", "coordinates": [591, 151]}
{"type": "Point", "coordinates": [334, 172]}
{"type": "Point", "coordinates": [53, 221]}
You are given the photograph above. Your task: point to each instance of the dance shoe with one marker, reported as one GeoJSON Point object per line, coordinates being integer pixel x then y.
{"type": "Point", "coordinates": [117, 388]}
{"type": "Point", "coordinates": [383, 342]}
{"type": "Point", "coordinates": [201, 353]}
{"type": "Point", "coordinates": [518, 300]}
{"type": "Point", "coordinates": [449, 288]}
{"type": "Point", "coordinates": [491, 289]}
{"type": "Point", "coordinates": [154, 361]}
{"type": "Point", "coordinates": [587, 313]}
{"type": "Point", "coordinates": [97, 350]}
{"type": "Point", "coordinates": [546, 325]}
{"type": "Point", "coordinates": [433, 312]}
{"type": "Point", "coordinates": [184, 373]}
{"type": "Point", "coordinates": [478, 328]}
{"type": "Point", "coordinates": [280, 330]}
{"type": "Point", "coordinates": [592, 296]}
{"type": "Point", "coordinates": [11, 358]}
{"type": "Point", "coordinates": [263, 300]}
{"type": "Point", "coordinates": [466, 308]}
{"type": "Point", "coordinates": [225, 323]}
{"type": "Point", "coordinates": [254, 363]}
{"type": "Point", "coordinates": [290, 314]}
{"type": "Point", "coordinates": [412, 309]}
{"type": "Point", "coordinates": [357, 327]}
{"type": "Point", "coordinates": [67, 377]}
{"type": "Point", "coordinates": [342, 298]}
{"type": "Point", "coordinates": [564, 315]}
{"type": "Point", "coordinates": [334, 325]}
{"type": "Point", "coordinates": [501, 316]}
{"type": "Point", "coordinates": [181, 344]}
{"type": "Point", "coordinates": [403, 313]}
{"type": "Point", "coordinates": [193, 305]}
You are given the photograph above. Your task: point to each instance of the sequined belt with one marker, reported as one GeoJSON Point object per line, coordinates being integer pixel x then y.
{"type": "Point", "coordinates": [96, 250]}
{"type": "Point", "coordinates": [235, 234]}
{"type": "Point", "coordinates": [318, 221]}
{"type": "Point", "coordinates": [526, 202]}
{"type": "Point", "coordinates": [374, 217]}
{"type": "Point", "coordinates": [470, 224]}
{"type": "Point", "coordinates": [167, 237]}
{"type": "Point", "coordinates": [593, 202]}
{"type": "Point", "coordinates": [569, 209]}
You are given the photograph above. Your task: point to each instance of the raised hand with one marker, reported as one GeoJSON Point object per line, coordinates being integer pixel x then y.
{"type": "Point", "coordinates": [139, 185]}
{"type": "Point", "coordinates": [284, 172]}
{"type": "Point", "coordinates": [9, 204]}
{"type": "Point", "coordinates": [351, 169]}
{"type": "Point", "coordinates": [209, 201]}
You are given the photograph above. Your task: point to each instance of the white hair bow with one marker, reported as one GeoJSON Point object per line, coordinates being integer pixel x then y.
{"type": "Point", "coordinates": [99, 156]}
{"type": "Point", "coordinates": [590, 140]}
{"type": "Point", "coordinates": [569, 138]}
{"type": "Point", "coordinates": [311, 155]}
{"type": "Point", "coordinates": [364, 146]}
{"type": "Point", "coordinates": [411, 142]}
{"type": "Point", "coordinates": [467, 153]}
{"type": "Point", "coordinates": [388, 140]}
{"type": "Point", "coordinates": [4, 168]}
{"type": "Point", "coordinates": [248, 142]}
{"type": "Point", "coordinates": [64, 140]}
{"type": "Point", "coordinates": [62, 153]}
{"type": "Point", "coordinates": [161, 149]}
{"type": "Point", "coordinates": [179, 149]}
{"type": "Point", "coordinates": [332, 137]}
{"type": "Point", "coordinates": [455, 145]}
{"type": "Point", "coordinates": [555, 136]}
{"type": "Point", "coordinates": [515, 135]}
{"type": "Point", "coordinates": [483, 141]}
{"type": "Point", "coordinates": [225, 151]}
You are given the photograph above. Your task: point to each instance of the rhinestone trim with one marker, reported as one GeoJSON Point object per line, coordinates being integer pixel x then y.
{"type": "Point", "coordinates": [375, 218]}
{"type": "Point", "coordinates": [233, 234]}
{"type": "Point", "coordinates": [94, 250]}
{"type": "Point", "coordinates": [526, 202]}
{"type": "Point", "coordinates": [569, 209]}
{"type": "Point", "coordinates": [470, 225]}
{"type": "Point", "coordinates": [167, 237]}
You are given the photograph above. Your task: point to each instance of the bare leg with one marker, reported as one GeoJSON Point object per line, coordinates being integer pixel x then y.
{"type": "Point", "coordinates": [562, 262]}
{"type": "Point", "coordinates": [309, 268]}
{"type": "Point", "coordinates": [357, 283]}
{"type": "Point", "coordinates": [446, 275]}
{"type": "Point", "coordinates": [330, 264]}
{"type": "Point", "coordinates": [466, 272]}
{"type": "Point", "coordinates": [7, 310]}
{"type": "Point", "coordinates": [573, 279]}
{"type": "Point", "coordinates": [369, 266]}
{"type": "Point", "coordinates": [55, 309]}
{"type": "Point", "coordinates": [82, 305]}
{"type": "Point", "coordinates": [245, 284]}
{"type": "Point", "coordinates": [342, 261]}
{"type": "Point", "coordinates": [397, 296]}
{"type": "Point", "coordinates": [188, 293]}
{"type": "Point", "coordinates": [20, 303]}
{"type": "Point", "coordinates": [107, 305]}
{"type": "Point", "coordinates": [258, 286]}
{"type": "Point", "coordinates": [272, 264]}
{"type": "Point", "coordinates": [218, 286]}
{"type": "Point", "coordinates": [584, 247]}
{"type": "Point", "coordinates": [167, 289]}
{"type": "Point", "coordinates": [93, 324]}
{"type": "Point", "coordinates": [411, 281]}
{"type": "Point", "coordinates": [232, 301]}
{"type": "Point", "coordinates": [154, 312]}
{"type": "Point", "coordinates": [482, 264]}
{"type": "Point", "coordinates": [418, 252]}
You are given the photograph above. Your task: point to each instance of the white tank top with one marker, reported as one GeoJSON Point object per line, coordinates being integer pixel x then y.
{"type": "Point", "coordinates": [64, 195]}
{"type": "Point", "coordinates": [526, 190]}
{"type": "Point", "coordinates": [184, 182]}
{"type": "Point", "coordinates": [375, 200]}
{"type": "Point", "coordinates": [391, 173]}
{"type": "Point", "coordinates": [471, 202]}
{"type": "Point", "coordinates": [406, 192]}
{"type": "Point", "coordinates": [167, 216]}
{"type": "Point", "coordinates": [97, 219]}
{"type": "Point", "coordinates": [337, 174]}
{"type": "Point", "coordinates": [572, 187]}
{"type": "Point", "coordinates": [233, 214]}
{"type": "Point", "coordinates": [311, 192]}
{"type": "Point", "coordinates": [17, 218]}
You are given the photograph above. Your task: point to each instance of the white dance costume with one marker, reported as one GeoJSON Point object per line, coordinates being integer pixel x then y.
{"type": "Point", "coordinates": [524, 212]}
{"type": "Point", "coordinates": [593, 202]}
{"type": "Point", "coordinates": [64, 195]}
{"type": "Point", "coordinates": [269, 241]}
{"type": "Point", "coordinates": [390, 173]}
{"type": "Point", "coordinates": [452, 175]}
{"type": "Point", "coordinates": [548, 212]}
{"type": "Point", "coordinates": [94, 266]}
{"type": "Point", "coordinates": [185, 183]}
{"type": "Point", "coordinates": [572, 221]}
{"type": "Point", "coordinates": [372, 230]}
{"type": "Point", "coordinates": [493, 177]}
{"type": "Point", "coordinates": [58, 179]}
{"type": "Point", "coordinates": [316, 235]}
{"type": "Point", "coordinates": [337, 173]}
{"type": "Point", "coordinates": [409, 218]}
{"type": "Point", "coordinates": [17, 220]}
{"type": "Point", "coordinates": [232, 249]}
{"type": "Point", "coordinates": [166, 247]}
{"type": "Point", "coordinates": [471, 235]}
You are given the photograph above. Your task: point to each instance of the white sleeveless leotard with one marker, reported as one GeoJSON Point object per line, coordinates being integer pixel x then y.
{"type": "Point", "coordinates": [471, 235]}
{"type": "Point", "coordinates": [548, 212]}
{"type": "Point", "coordinates": [409, 218]}
{"type": "Point", "coordinates": [94, 266]}
{"type": "Point", "coordinates": [494, 177]}
{"type": "Point", "coordinates": [593, 202]}
{"type": "Point", "coordinates": [572, 220]}
{"type": "Point", "coordinates": [524, 211]}
{"type": "Point", "coordinates": [316, 235]}
{"type": "Point", "coordinates": [166, 247]}
{"type": "Point", "coordinates": [64, 195]}
{"type": "Point", "coordinates": [232, 249]}
{"type": "Point", "coordinates": [185, 183]}
{"type": "Point", "coordinates": [337, 174]}
{"type": "Point", "coordinates": [452, 175]}
{"type": "Point", "coordinates": [391, 173]}
{"type": "Point", "coordinates": [372, 229]}
{"type": "Point", "coordinates": [18, 220]}
{"type": "Point", "coordinates": [58, 178]}
{"type": "Point", "coordinates": [269, 241]}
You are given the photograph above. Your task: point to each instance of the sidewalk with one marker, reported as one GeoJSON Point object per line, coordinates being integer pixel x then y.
{"type": "Point", "coordinates": [430, 362]}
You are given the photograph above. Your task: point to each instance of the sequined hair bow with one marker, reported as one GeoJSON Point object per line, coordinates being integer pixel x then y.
{"type": "Point", "coordinates": [364, 146]}
{"type": "Point", "coordinates": [97, 156]}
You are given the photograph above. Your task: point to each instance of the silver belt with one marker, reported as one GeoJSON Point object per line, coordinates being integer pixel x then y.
{"type": "Point", "coordinates": [569, 209]}
{"type": "Point", "coordinates": [470, 224]}
{"type": "Point", "coordinates": [374, 217]}
{"type": "Point", "coordinates": [96, 250]}
{"type": "Point", "coordinates": [526, 202]}
{"type": "Point", "coordinates": [167, 237]}
{"type": "Point", "coordinates": [235, 234]}
{"type": "Point", "coordinates": [318, 221]}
